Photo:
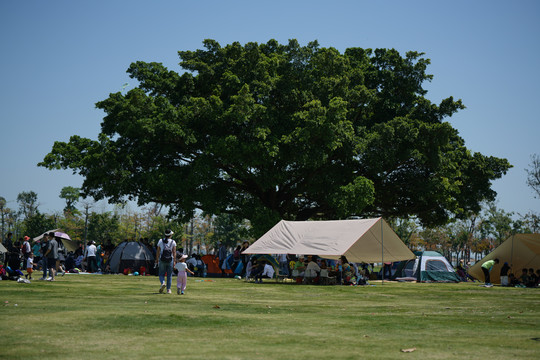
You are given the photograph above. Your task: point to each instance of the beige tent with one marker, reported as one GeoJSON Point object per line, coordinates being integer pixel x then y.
{"type": "Point", "coordinates": [519, 251]}
{"type": "Point", "coordinates": [367, 240]}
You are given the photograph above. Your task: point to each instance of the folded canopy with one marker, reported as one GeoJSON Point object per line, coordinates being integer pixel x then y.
{"type": "Point", "coordinates": [366, 240]}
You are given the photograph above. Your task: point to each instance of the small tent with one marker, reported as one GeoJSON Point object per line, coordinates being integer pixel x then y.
{"type": "Point", "coordinates": [130, 255]}
{"type": "Point", "coordinates": [429, 266]}
{"type": "Point", "coordinates": [364, 240]}
{"type": "Point", "coordinates": [519, 251]}
{"type": "Point", "coordinates": [212, 265]}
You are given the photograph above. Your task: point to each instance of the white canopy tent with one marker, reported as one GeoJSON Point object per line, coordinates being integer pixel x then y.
{"type": "Point", "coordinates": [365, 240]}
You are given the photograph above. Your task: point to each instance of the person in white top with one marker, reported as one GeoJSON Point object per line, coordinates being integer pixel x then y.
{"type": "Point", "coordinates": [181, 280]}
{"type": "Point", "coordinates": [312, 269]}
{"type": "Point", "coordinates": [90, 256]}
{"type": "Point", "coordinates": [266, 270]}
{"type": "Point", "coordinates": [166, 260]}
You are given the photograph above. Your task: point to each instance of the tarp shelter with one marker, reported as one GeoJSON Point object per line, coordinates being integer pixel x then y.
{"type": "Point", "coordinates": [131, 255]}
{"type": "Point", "coordinates": [365, 240]}
{"type": "Point", "coordinates": [429, 266]}
{"type": "Point", "coordinates": [519, 251]}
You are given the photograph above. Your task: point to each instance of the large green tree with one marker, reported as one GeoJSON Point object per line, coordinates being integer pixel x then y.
{"type": "Point", "coordinates": [270, 131]}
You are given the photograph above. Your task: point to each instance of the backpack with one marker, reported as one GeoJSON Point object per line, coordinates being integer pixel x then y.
{"type": "Point", "coordinates": [26, 248]}
{"type": "Point", "coordinates": [166, 253]}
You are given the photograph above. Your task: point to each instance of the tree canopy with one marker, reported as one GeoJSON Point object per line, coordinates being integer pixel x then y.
{"type": "Point", "coordinates": [71, 195]}
{"type": "Point", "coordinates": [271, 131]}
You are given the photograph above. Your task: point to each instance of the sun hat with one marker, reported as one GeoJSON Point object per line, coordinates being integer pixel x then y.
{"type": "Point", "coordinates": [184, 256]}
{"type": "Point", "coordinates": [168, 232]}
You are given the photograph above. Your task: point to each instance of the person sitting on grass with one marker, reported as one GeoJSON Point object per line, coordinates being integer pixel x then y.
{"type": "Point", "coordinates": [524, 278]}
{"type": "Point", "coordinates": [268, 272]}
{"type": "Point", "coordinates": [263, 269]}
{"type": "Point", "coordinates": [533, 280]}
{"type": "Point", "coordinates": [192, 262]}
{"type": "Point", "coordinates": [460, 270]}
{"type": "Point", "coordinates": [512, 281]}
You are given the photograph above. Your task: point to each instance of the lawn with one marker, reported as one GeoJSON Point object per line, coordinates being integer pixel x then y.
{"type": "Point", "coordinates": [120, 317]}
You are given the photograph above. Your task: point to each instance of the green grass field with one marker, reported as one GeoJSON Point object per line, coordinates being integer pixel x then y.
{"type": "Point", "coordinates": [120, 317]}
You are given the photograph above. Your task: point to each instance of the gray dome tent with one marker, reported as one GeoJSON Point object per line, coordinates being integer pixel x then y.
{"type": "Point", "coordinates": [132, 255]}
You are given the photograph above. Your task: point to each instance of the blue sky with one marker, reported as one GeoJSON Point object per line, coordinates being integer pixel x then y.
{"type": "Point", "coordinates": [60, 57]}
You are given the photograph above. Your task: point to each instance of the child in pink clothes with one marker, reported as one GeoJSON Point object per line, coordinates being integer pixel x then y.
{"type": "Point", "coordinates": [181, 280]}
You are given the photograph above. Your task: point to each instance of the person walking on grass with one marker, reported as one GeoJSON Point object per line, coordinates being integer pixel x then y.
{"type": "Point", "coordinates": [181, 280]}
{"type": "Point", "coordinates": [486, 268]}
{"type": "Point", "coordinates": [166, 259]}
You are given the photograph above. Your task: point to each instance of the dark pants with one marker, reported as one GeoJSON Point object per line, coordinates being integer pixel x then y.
{"type": "Point", "coordinates": [92, 264]}
{"type": "Point", "coordinates": [257, 273]}
{"type": "Point", "coordinates": [45, 266]}
{"type": "Point", "coordinates": [486, 276]}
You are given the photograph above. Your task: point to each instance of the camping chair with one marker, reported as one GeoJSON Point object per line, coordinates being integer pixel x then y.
{"type": "Point", "coordinates": [326, 279]}
{"type": "Point", "coordinates": [310, 277]}
{"type": "Point", "coordinates": [297, 276]}
{"type": "Point", "coordinates": [280, 277]}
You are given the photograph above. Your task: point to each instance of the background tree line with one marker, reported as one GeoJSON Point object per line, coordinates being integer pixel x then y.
{"type": "Point", "coordinates": [469, 238]}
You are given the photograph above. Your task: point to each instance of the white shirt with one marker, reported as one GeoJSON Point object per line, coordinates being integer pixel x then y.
{"type": "Point", "coordinates": [170, 244]}
{"type": "Point", "coordinates": [268, 271]}
{"type": "Point", "coordinates": [91, 250]}
{"type": "Point", "coordinates": [26, 244]}
{"type": "Point", "coordinates": [181, 266]}
{"type": "Point", "coordinates": [312, 269]}
{"type": "Point", "coordinates": [192, 261]}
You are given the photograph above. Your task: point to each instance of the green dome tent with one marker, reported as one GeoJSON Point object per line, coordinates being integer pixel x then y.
{"type": "Point", "coordinates": [429, 266]}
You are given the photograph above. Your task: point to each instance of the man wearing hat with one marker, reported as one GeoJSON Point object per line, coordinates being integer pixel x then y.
{"type": "Point", "coordinates": [166, 260]}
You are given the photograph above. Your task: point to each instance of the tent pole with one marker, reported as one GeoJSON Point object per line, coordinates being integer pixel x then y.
{"type": "Point", "coordinates": [512, 253]}
{"type": "Point", "coordinates": [382, 252]}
